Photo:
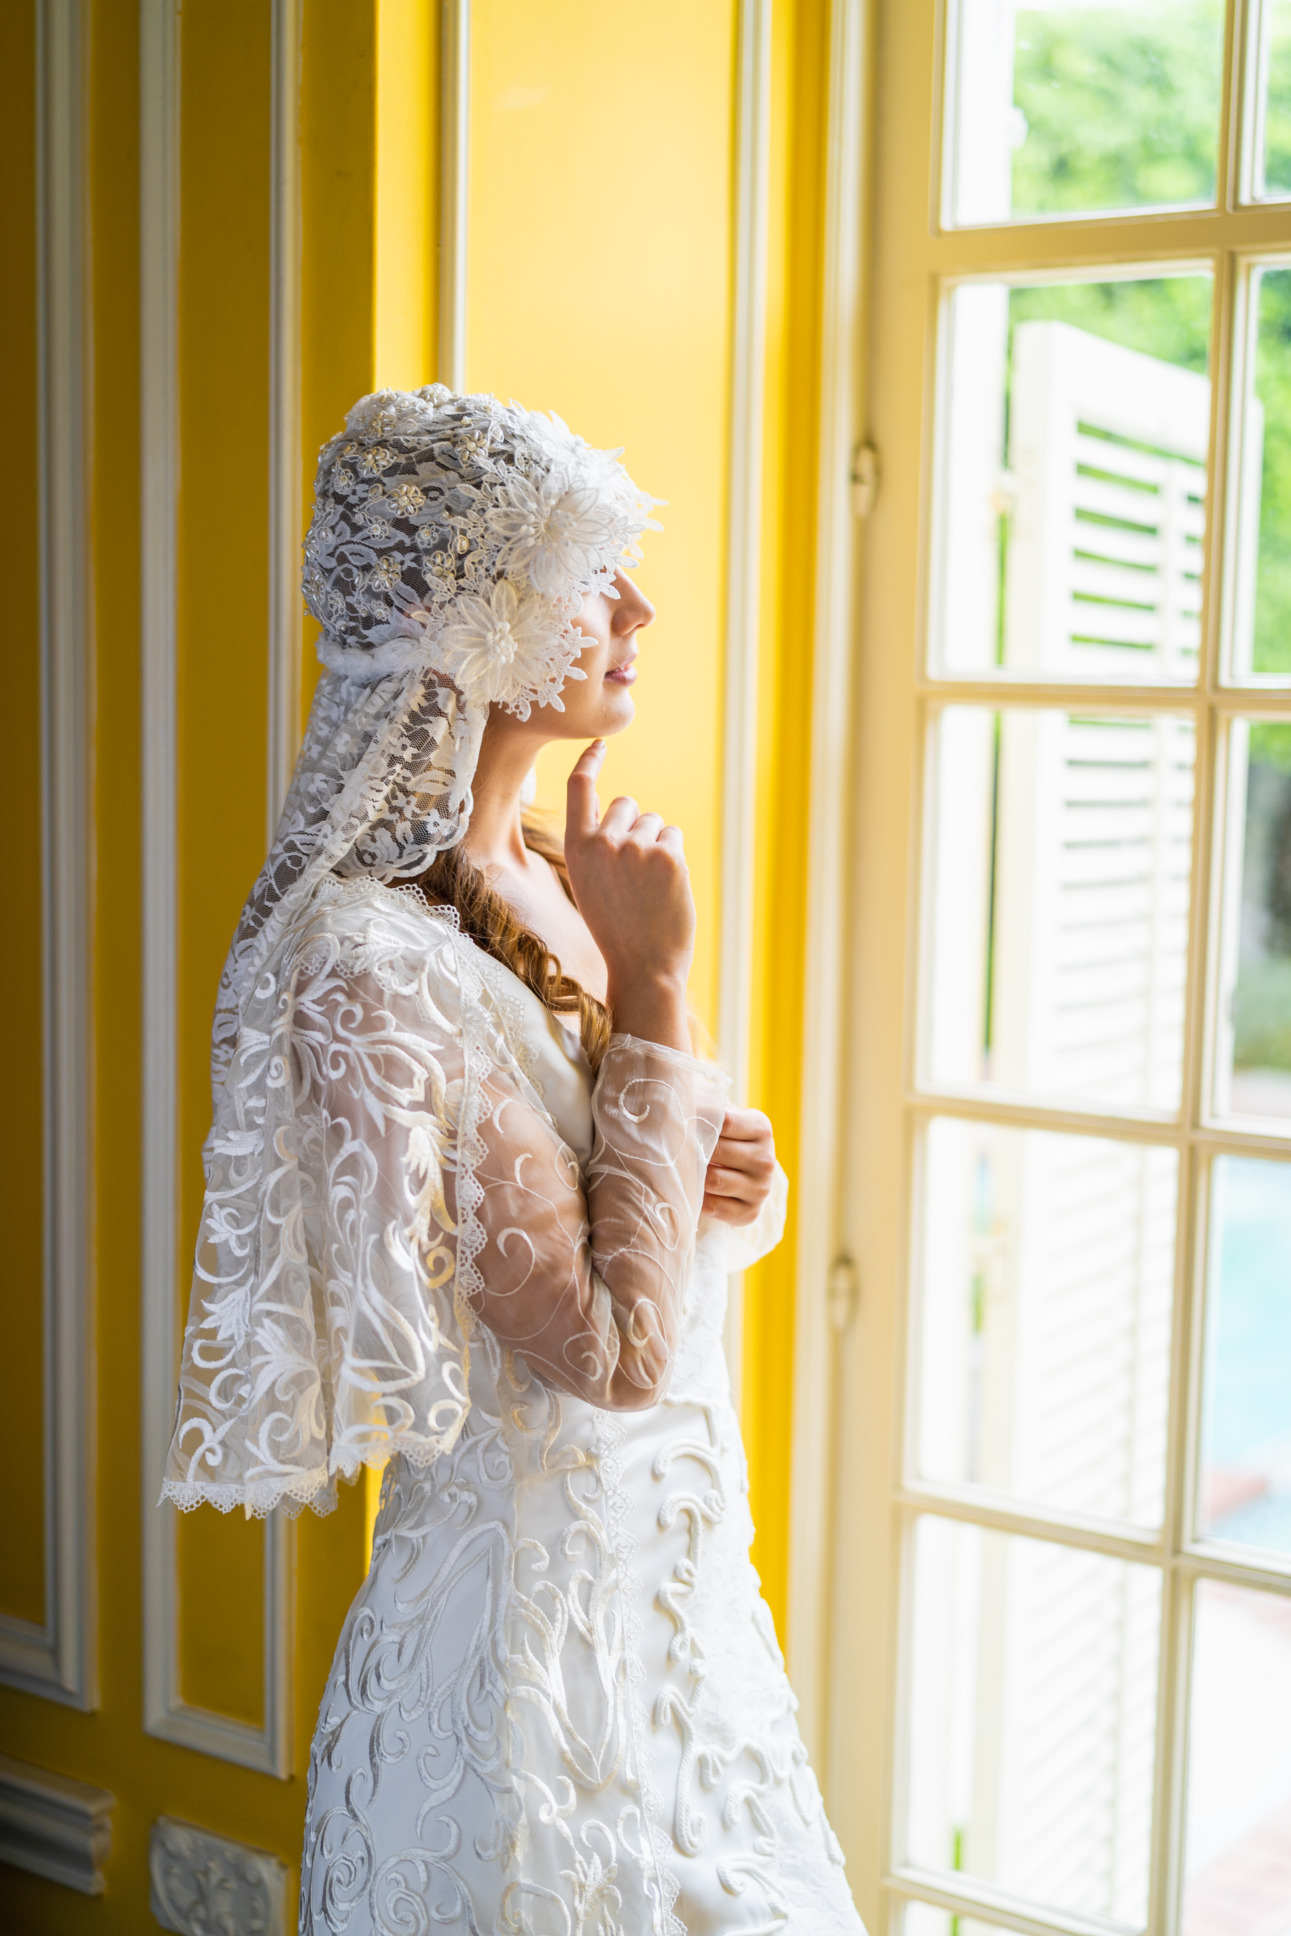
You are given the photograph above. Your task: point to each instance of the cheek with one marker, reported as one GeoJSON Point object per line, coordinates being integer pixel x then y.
{"type": "Point", "coordinates": [591, 662]}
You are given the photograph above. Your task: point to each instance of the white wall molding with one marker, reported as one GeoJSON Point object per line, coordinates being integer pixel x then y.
{"type": "Point", "coordinates": [284, 411]}
{"type": "Point", "coordinates": [813, 1480]}
{"type": "Point", "coordinates": [53, 1826]}
{"type": "Point", "coordinates": [205, 1885]}
{"type": "Point", "coordinates": [743, 572]}
{"type": "Point", "coordinates": [166, 1714]}
{"type": "Point", "coordinates": [454, 181]}
{"type": "Point", "coordinates": [56, 1656]}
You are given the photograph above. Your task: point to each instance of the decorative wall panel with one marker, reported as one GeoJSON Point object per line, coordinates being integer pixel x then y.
{"type": "Point", "coordinates": [56, 1655]}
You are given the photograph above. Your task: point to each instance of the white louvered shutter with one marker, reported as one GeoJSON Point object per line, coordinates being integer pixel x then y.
{"type": "Point", "coordinates": [1108, 449]}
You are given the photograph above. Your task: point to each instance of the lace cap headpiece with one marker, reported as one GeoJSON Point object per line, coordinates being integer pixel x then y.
{"type": "Point", "coordinates": [463, 532]}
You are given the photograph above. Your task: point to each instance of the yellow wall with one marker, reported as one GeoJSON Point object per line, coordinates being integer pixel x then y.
{"type": "Point", "coordinates": [603, 291]}
{"type": "Point", "coordinates": [601, 239]}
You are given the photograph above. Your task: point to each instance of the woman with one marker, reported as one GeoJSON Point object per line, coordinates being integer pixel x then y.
{"type": "Point", "coordinates": [469, 1196]}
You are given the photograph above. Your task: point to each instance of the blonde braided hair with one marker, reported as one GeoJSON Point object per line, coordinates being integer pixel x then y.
{"type": "Point", "coordinates": [455, 881]}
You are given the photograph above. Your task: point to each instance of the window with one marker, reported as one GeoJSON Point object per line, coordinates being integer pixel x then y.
{"type": "Point", "coordinates": [1076, 665]}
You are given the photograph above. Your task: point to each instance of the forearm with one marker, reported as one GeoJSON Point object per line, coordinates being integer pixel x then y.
{"type": "Point", "coordinates": [658, 1113]}
{"type": "Point", "coordinates": [651, 1007]}
{"type": "Point", "coordinates": [585, 1275]}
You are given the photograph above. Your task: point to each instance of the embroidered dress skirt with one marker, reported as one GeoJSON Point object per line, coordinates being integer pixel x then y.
{"type": "Point", "coordinates": [558, 1704]}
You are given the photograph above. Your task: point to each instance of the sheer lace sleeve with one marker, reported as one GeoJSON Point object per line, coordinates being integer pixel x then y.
{"type": "Point", "coordinates": [587, 1282]}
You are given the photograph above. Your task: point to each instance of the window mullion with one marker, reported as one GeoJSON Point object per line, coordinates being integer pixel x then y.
{"type": "Point", "coordinates": [1243, 104]}
{"type": "Point", "coordinates": [996, 1512]}
{"type": "Point", "coordinates": [1172, 1682]}
{"type": "Point", "coordinates": [981, 1106]}
{"type": "Point", "coordinates": [1170, 1786]}
{"type": "Point", "coordinates": [1228, 155]}
{"type": "Point", "coordinates": [912, 1884]}
{"type": "Point", "coordinates": [1008, 690]}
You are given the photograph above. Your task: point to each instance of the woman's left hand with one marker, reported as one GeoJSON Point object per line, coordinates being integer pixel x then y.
{"type": "Point", "coordinates": [741, 1169]}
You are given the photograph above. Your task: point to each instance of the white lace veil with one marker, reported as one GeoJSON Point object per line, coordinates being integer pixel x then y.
{"type": "Point", "coordinates": [452, 543]}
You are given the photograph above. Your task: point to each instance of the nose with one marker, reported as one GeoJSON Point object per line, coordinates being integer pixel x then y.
{"type": "Point", "coordinates": [633, 610]}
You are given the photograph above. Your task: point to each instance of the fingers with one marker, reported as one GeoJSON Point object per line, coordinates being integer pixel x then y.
{"type": "Point", "coordinates": [623, 819]}
{"type": "Point", "coordinates": [619, 818]}
{"type": "Point", "coordinates": [741, 1171]}
{"type": "Point", "coordinates": [720, 1181]}
{"type": "Point", "coordinates": [581, 811]}
{"type": "Point", "coordinates": [738, 1180]}
{"type": "Point", "coordinates": [730, 1210]}
{"type": "Point", "coordinates": [750, 1159]}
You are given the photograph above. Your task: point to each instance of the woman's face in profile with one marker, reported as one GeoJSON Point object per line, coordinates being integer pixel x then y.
{"type": "Point", "coordinates": [600, 703]}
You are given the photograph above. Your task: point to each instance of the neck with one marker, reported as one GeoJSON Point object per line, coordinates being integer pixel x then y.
{"type": "Point", "coordinates": [496, 836]}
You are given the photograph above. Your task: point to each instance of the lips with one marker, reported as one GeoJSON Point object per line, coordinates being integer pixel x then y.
{"type": "Point", "coordinates": [622, 675]}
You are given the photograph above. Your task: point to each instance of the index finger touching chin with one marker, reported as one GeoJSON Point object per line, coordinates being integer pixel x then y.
{"type": "Point", "coordinates": [581, 805]}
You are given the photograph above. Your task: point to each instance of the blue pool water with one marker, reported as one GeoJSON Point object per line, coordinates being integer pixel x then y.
{"type": "Point", "coordinates": [1247, 1414]}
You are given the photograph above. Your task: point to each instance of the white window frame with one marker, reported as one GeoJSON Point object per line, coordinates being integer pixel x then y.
{"type": "Point", "coordinates": [855, 1499]}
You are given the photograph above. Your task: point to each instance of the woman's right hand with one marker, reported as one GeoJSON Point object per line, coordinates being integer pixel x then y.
{"type": "Point", "coordinates": [630, 884]}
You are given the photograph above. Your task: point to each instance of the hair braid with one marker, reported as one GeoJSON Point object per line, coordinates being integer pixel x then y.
{"type": "Point", "coordinates": [489, 921]}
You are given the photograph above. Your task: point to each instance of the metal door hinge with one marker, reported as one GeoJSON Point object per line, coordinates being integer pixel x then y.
{"type": "Point", "coordinates": [865, 479]}
{"type": "Point", "coordinates": [844, 1292]}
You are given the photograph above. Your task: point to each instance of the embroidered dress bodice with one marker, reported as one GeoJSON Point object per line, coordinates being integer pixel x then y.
{"type": "Point", "coordinates": [557, 1707]}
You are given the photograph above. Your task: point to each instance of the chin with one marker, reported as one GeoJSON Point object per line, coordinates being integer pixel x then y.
{"type": "Point", "coordinates": [617, 711]}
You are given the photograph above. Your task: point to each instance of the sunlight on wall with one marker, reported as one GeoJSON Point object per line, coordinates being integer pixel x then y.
{"type": "Point", "coordinates": [599, 287]}
{"type": "Point", "coordinates": [407, 184]}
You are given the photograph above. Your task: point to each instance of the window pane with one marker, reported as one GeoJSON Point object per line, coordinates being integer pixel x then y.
{"type": "Point", "coordinates": [1273, 102]}
{"type": "Point", "coordinates": [1075, 424]}
{"type": "Point", "coordinates": [1237, 1857]}
{"type": "Point", "coordinates": [1032, 1717]}
{"type": "Point", "coordinates": [1253, 1051]}
{"type": "Point", "coordinates": [1246, 1411]}
{"type": "Point", "coordinates": [1057, 938]}
{"type": "Point", "coordinates": [1044, 1350]}
{"type": "Point", "coordinates": [1262, 605]}
{"type": "Point", "coordinates": [1071, 108]}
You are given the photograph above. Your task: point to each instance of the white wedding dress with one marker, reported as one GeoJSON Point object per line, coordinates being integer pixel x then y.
{"type": "Point", "coordinates": [557, 1706]}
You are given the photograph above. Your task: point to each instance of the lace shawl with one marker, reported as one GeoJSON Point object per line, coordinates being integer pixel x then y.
{"type": "Point", "coordinates": [418, 1187]}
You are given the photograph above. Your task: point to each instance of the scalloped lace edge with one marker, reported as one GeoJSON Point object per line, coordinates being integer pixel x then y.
{"type": "Point", "coordinates": [315, 1488]}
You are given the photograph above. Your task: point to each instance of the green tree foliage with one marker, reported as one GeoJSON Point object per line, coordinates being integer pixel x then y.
{"type": "Point", "coordinates": [1277, 120]}
{"type": "Point", "coordinates": [1272, 650]}
{"type": "Point", "coordinates": [1121, 105]}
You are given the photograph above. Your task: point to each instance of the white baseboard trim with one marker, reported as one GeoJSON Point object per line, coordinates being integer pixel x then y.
{"type": "Point", "coordinates": [53, 1826]}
